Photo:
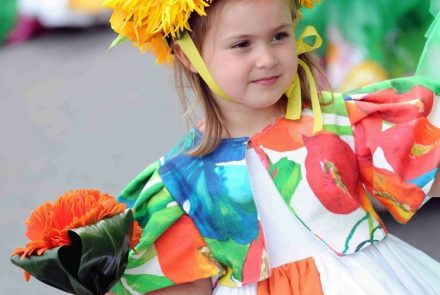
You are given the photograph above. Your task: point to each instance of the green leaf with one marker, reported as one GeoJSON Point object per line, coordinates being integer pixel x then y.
{"type": "Point", "coordinates": [94, 261]}
{"type": "Point", "coordinates": [118, 41]}
{"type": "Point", "coordinates": [105, 247]}
{"type": "Point", "coordinates": [46, 268]}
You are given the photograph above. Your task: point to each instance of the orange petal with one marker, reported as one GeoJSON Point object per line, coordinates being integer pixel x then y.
{"type": "Point", "coordinates": [137, 233]}
{"type": "Point", "coordinates": [18, 251]}
{"type": "Point", "coordinates": [48, 225]}
{"type": "Point", "coordinates": [27, 276]}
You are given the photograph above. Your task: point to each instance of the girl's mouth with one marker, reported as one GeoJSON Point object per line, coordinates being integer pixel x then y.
{"type": "Point", "coordinates": [267, 81]}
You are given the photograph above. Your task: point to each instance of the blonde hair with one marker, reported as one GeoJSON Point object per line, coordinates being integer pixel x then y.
{"type": "Point", "coordinates": [213, 127]}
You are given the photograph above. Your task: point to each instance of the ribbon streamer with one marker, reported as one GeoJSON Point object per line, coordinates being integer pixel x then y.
{"type": "Point", "coordinates": [189, 48]}
{"type": "Point", "coordinates": [293, 93]}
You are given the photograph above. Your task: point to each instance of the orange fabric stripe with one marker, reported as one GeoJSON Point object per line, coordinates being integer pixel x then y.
{"type": "Point", "coordinates": [296, 278]}
{"type": "Point", "coordinates": [183, 245]}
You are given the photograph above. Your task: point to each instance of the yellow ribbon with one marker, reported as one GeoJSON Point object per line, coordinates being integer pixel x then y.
{"type": "Point", "coordinates": [294, 103]}
{"type": "Point", "coordinates": [293, 93]}
{"type": "Point", "coordinates": [303, 47]}
{"type": "Point", "coordinates": [189, 48]}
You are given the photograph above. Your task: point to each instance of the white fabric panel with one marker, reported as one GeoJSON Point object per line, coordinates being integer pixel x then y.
{"type": "Point", "coordinates": [287, 239]}
{"type": "Point", "coordinates": [390, 267]}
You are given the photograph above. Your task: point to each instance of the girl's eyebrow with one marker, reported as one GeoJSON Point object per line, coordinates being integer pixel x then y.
{"type": "Point", "coordinates": [283, 26]}
{"type": "Point", "coordinates": [247, 36]}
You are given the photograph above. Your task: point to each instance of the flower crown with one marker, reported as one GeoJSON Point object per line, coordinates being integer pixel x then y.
{"type": "Point", "coordinates": [148, 23]}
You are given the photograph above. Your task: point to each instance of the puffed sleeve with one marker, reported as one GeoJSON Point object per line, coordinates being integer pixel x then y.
{"type": "Point", "coordinates": [396, 145]}
{"type": "Point", "coordinates": [171, 250]}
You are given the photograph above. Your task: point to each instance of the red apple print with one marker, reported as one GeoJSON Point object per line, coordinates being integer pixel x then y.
{"type": "Point", "coordinates": [367, 131]}
{"type": "Point", "coordinates": [332, 172]}
{"type": "Point", "coordinates": [411, 149]}
{"type": "Point", "coordinates": [397, 107]}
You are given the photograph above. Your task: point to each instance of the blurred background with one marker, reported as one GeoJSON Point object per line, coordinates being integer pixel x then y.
{"type": "Point", "coordinates": [74, 114]}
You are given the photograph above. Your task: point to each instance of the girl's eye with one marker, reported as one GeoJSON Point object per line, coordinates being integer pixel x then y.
{"type": "Point", "coordinates": [241, 44]}
{"type": "Point", "coordinates": [280, 36]}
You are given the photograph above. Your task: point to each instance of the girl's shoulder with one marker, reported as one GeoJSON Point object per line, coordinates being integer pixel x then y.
{"type": "Point", "coordinates": [395, 101]}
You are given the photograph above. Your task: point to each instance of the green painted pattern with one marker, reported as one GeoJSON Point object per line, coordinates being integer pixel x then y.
{"type": "Point", "coordinates": [133, 190]}
{"type": "Point", "coordinates": [287, 177]}
{"type": "Point", "coordinates": [120, 290]}
{"type": "Point", "coordinates": [336, 104]}
{"type": "Point", "coordinates": [151, 203]}
{"type": "Point", "coordinates": [144, 283]}
{"type": "Point", "coordinates": [402, 85]}
{"type": "Point", "coordinates": [144, 253]}
{"type": "Point", "coordinates": [156, 211]}
{"type": "Point", "coordinates": [353, 230]}
{"type": "Point", "coordinates": [370, 225]}
{"type": "Point", "coordinates": [230, 254]}
{"type": "Point", "coordinates": [160, 222]}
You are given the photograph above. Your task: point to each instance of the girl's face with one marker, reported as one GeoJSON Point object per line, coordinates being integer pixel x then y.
{"type": "Point", "coordinates": [251, 53]}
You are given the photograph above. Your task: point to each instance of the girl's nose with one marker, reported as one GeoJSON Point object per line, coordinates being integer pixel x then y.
{"type": "Point", "coordinates": [266, 58]}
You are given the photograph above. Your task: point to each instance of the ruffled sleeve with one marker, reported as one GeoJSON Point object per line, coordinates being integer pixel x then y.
{"type": "Point", "coordinates": [171, 250]}
{"type": "Point", "coordinates": [397, 145]}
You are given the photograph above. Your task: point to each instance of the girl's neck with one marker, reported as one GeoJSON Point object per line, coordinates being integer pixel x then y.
{"type": "Point", "coordinates": [246, 123]}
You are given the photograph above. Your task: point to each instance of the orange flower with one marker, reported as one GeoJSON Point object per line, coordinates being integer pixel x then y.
{"type": "Point", "coordinates": [136, 236]}
{"type": "Point", "coordinates": [48, 225]}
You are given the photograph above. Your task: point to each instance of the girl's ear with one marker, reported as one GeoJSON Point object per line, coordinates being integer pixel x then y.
{"type": "Point", "coordinates": [178, 52]}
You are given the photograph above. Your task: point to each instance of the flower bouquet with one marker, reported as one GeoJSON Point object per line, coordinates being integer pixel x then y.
{"type": "Point", "coordinates": [79, 243]}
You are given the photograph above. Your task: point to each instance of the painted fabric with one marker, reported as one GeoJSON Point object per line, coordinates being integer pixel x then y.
{"type": "Point", "coordinates": [301, 277]}
{"type": "Point", "coordinates": [376, 143]}
{"type": "Point", "coordinates": [396, 145]}
{"type": "Point", "coordinates": [387, 267]}
{"type": "Point", "coordinates": [171, 250]}
{"type": "Point", "coordinates": [215, 192]}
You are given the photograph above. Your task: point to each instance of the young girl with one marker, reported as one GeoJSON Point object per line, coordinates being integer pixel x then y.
{"type": "Point", "coordinates": [272, 193]}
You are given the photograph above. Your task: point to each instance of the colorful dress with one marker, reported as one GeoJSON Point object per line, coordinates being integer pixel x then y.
{"type": "Point", "coordinates": [290, 212]}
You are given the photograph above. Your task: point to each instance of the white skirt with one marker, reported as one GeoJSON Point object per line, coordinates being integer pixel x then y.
{"type": "Point", "coordinates": [388, 267]}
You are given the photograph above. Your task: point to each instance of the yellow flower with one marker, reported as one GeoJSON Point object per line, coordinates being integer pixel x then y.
{"type": "Point", "coordinates": [148, 23]}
